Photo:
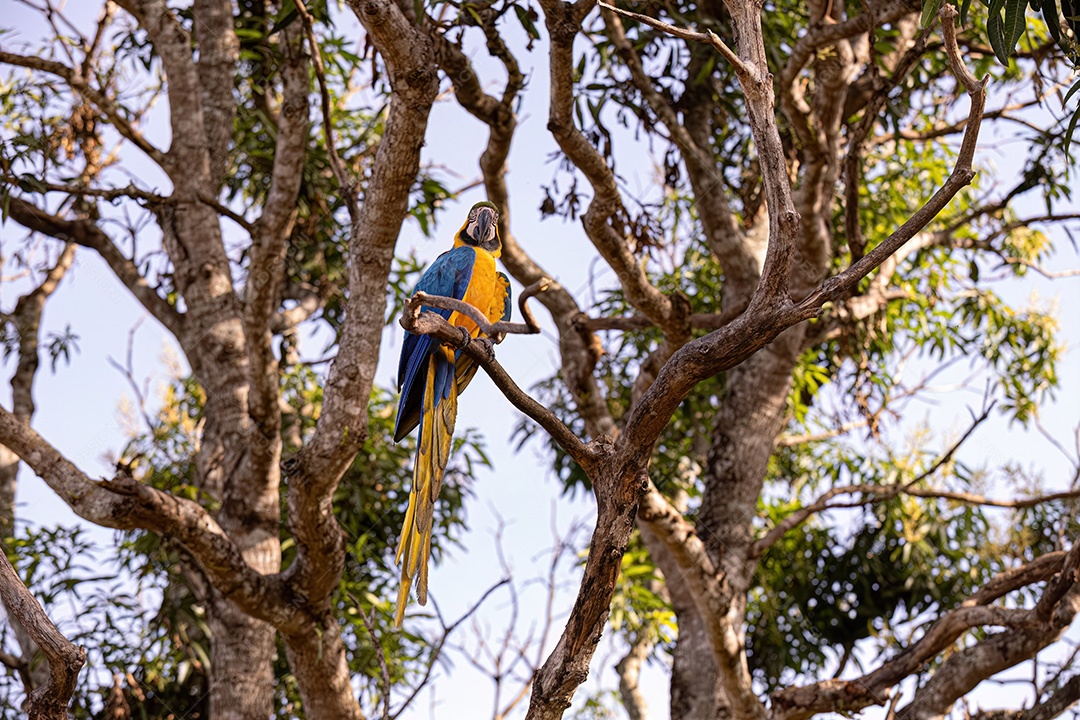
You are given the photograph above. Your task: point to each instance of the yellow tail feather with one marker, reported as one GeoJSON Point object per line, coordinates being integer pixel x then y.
{"type": "Point", "coordinates": [432, 454]}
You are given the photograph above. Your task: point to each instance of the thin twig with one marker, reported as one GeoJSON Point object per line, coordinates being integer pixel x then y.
{"type": "Point", "coordinates": [437, 650]}
{"type": "Point", "coordinates": [369, 623]}
{"type": "Point", "coordinates": [706, 38]}
{"type": "Point", "coordinates": [344, 184]}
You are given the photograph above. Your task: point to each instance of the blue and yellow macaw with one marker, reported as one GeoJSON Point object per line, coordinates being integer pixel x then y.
{"type": "Point", "coordinates": [432, 375]}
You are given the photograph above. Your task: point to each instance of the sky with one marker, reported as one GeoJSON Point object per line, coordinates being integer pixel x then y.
{"type": "Point", "coordinates": [79, 406]}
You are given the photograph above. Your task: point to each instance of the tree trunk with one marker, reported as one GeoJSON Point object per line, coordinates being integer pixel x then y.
{"type": "Point", "coordinates": [242, 664]}
{"type": "Point", "coordinates": [751, 416]}
{"type": "Point", "coordinates": [322, 673]}
{"type": "Point", "coordinates": [696, 692]}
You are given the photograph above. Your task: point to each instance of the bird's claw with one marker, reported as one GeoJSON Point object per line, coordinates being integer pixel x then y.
{"type": "Point", "coordinates": [466, 338]}
{"type": "Point", "coordinates": [487, 346]}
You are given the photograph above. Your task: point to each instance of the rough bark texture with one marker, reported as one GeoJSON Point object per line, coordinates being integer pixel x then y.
{"type": "Point", "coordinates": [774, 243]}
{"type": "Point", "coordinates": [27, 321]}
{"type": "Point", "coordinates": [50, 700]}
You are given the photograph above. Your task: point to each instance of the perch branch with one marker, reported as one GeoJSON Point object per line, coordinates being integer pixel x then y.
{"type": "Point", "coordinates": [429, 323]}
{"type": "Point", "coordinates": [529, 327]}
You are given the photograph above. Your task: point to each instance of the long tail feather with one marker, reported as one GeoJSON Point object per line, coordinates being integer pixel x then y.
{"type": "Point", "coordinates": [437, 418]}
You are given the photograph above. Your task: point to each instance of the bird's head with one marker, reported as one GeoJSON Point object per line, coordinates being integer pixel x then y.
{"type": "Point", "coordinates": [481, 229]}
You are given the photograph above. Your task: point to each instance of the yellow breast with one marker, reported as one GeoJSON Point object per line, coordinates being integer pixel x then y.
{"type": "Point", "coordinates": [487, 291]}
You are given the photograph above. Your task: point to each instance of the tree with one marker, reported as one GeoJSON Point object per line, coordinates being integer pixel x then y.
{"type": "Point", "coordinates": [750, 291]}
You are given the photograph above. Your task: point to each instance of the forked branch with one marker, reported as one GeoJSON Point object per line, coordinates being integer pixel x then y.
{"type": "Point", "coordinates": [529, 327]}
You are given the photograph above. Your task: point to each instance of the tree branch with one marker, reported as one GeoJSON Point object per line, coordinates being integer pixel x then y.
{"type": "Point", "coordinates": [79, 84]}
{"type": "Point", "coordinates": [342, 425]}
{"type": "Point", "coordinates": [706, 38]}
{"type": "Point", "coordinates": [530, 327]}
{"type": "Point", "coordinates": [87, 234]}
{"type": "Point", "coordinates": [429, 323]}
{"type": "Point", "coordinates": [1061, 700]}
{"type": "Point", "coordinates": [126, 504]}
{"type": "Point", "coordinates": [605, 215]}
{"type": "Point", "coordinates": [1030, 631]}
{"type": "Point", "coordinates": [762, 322]}
{"type": "Point", "coordinates": [50, 701]}
{"type": "Point", "coordinates": [266, 271]}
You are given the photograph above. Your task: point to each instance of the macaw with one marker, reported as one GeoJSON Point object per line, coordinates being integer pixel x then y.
{"type": "Point", "coordinates": [431, 375]}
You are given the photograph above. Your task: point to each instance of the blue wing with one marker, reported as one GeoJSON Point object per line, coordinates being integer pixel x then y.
{"type": "Point", "coordinates": [448, 276]}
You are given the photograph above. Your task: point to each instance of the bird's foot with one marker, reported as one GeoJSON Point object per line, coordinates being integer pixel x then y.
{"type": "Point", "coordinates": [466, 338]}
{"type": "Point", "coordinates": [487, 346]}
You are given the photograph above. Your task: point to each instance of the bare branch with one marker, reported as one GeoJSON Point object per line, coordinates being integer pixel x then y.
{"type": "Point", "coordinates": [125, 504]}
{"type": "Point", "coordinates": [74, 78]}
{"type": "Point", "coordinates": [962, 174]}
{"type": "Point", "coordinates": [711, 321]}
{"type": "Point", "coordinates": [342, 425]}
{"type": "Point", "coordinates": [436, 652]}
{"type": "Point", "coordinates": [1030, 631]}
{"type": "Point", "coordinates": [266, 271]}
{"type": "Point", "coordinates": [50, 701]}
{"type": "Point", "coordinates": [605, 215]}
{"type": "Point", "coordinates": [765, 320]}
{"type": "Point", "coordinates": [1061, 700]}
{"type": "Point", "coordinates": [706, 38]}
{"type": "Point", "coordinates": [629, 670]}
{"type": "Point", "coordinates": [712, 595]}
{"type": "Point", "coordinates": [87, 234]}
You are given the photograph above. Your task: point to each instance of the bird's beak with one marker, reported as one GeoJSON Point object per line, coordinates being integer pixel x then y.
{"type": "Point", "coordinates": [485, 225]}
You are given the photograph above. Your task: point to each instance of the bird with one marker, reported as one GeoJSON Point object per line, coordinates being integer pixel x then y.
{"type": "Point", "coordinates": [431, 375]}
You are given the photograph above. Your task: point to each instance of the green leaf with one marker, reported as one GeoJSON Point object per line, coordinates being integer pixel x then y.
{"type": "Point", "coordinates": [996, 32]}
{"type": "Point", "coordinates": [1052, 19]}
{"type": "Point", "coordinates": [285, 17]}
{"type": "Point", "coordinates": [1015, 22]}
{"type": "Point", "coordinates": [965, 5]}
{"type": "Point", "coordinates": [526, 17]}
{"type": "Point", "coordinates": [1072, 126]}
{"type": "Point", "coordinates": [930, 10]}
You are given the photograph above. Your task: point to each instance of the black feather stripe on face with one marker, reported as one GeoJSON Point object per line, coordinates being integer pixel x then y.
{"type": "Point", "coordinates": [481, 229]}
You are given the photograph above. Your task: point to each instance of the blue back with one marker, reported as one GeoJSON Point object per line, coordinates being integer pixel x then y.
{"type": "Point", "coordinates": [448, 276]}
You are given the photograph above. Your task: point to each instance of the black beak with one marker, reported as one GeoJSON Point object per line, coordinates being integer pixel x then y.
{"type": "Point", "coordinates": [485, 225]}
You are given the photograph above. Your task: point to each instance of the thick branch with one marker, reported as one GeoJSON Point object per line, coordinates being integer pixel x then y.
{"type": "Point", "coordinates": [125, 504]}
{"type": "Point", "coordinates": [342, 426]}
{"type": "Point", "coordinates": [1061, 700]}
{"type": "Point", "coordinates": [219, 50]}
{"type": "Point", "coordinates": [730, 345]}
{"type": "Point", "coordinates": [706, 38]}
{"type": "Point", "coordinates": [712, 595]}
{"type": "Point", "coordinates": [266, 272]}
{"type": "Point", "coordinates": [605, 217]}
{"type": "Point", "coordinates": [1030, 631]}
